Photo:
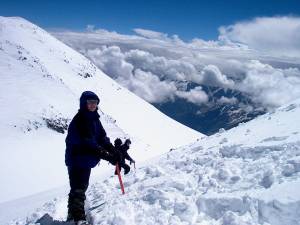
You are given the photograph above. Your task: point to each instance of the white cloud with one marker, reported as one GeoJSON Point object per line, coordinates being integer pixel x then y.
{"type": "Point", "coordinates": [169, 63]}
{"type": "Point", "coordinates": [273, 35]}
{"type": "Point", "coordinates": [150, 87]}
{"type": "Point", "coordinates": [150, 34]}
{"type": "Point", "coordinates": [111, 61]}
{"type": "Point", "coordinates": [145, 84]}
{"type": "Point", "coordinates": [171, 69]}
{"type": "Point", "coordinates": [196, 95]}
{"type": "Point", "coordinates": [90, 28]}
{"type": "Point", "coordinates": [270, 86]}
{"type": "Point", "coordinates": [211, 75]}
{"type": "Point", "coordinates": [224, 100]}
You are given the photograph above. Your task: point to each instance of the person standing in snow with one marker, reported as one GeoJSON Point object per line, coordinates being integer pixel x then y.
{"type": "Point", "coordinates": [86, 144]}
{"type": "Point", "coordinates": [123, 149]}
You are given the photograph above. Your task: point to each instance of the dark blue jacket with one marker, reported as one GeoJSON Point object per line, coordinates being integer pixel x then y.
{"type": "Point", "coordinates": [85, 135]}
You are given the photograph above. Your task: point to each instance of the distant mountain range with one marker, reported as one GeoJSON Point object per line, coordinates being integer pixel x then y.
{"type": "Point", "coordinates": [212, 117]}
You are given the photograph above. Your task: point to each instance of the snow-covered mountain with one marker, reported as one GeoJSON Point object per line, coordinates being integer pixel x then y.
{"type": "Point", "coordinates": [41, 80]}
{"type": "Point", "coordinates": [248, 175]}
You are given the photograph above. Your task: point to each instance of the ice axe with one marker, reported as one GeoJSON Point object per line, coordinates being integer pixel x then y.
{"type": "Point", "coordinates": [120, 178]}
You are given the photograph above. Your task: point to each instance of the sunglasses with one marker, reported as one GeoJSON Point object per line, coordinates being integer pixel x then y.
{"type": "Point", "coordinates": [92, 102]}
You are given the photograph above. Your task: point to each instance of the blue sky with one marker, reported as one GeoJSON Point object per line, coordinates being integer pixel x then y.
{"type": "Point", "coordinates": [188, 19]}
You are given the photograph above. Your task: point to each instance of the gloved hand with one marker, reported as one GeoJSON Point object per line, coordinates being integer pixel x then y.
{"type": "Point", "coordinates": [132, 161]}
{"type": "Point", "coordinates": [106, 155]}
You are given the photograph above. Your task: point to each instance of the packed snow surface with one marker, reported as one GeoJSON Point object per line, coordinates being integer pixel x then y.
{"type": "Point", "coordinates": [247, 175]}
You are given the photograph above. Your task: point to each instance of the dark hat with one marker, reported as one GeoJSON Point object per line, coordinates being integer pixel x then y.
{"type": "Point", "coordinates": [87, 95]}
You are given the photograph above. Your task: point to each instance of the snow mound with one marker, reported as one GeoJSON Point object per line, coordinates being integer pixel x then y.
{"type": "Point", "coordinates": [240, 181]}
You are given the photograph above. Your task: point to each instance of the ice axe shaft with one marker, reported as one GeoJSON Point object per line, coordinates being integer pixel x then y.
{"type": "Point", "coordinates": [120, 178]}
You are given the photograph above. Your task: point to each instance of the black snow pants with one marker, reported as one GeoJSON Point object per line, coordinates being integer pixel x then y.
{"type": "Point", "coordinates": [79, 182]}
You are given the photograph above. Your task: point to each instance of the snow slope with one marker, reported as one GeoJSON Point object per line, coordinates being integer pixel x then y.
{"type": "Point", "coordinates": [247, 175]}
{"type": "Point", "coordinates": [41, 80]}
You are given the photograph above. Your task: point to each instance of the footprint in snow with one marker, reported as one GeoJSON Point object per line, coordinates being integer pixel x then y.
{"type": "Point", "coordinates": [274, 139]}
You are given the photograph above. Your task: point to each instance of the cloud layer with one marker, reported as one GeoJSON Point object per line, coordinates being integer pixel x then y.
{"type": "Point", "coordinates": [247, 58]}
{"type": "Point", "coordinates": [278, 36]}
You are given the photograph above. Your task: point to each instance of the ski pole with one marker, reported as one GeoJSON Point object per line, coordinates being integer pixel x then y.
{"type": "Point", "coordinates": [120, 178]}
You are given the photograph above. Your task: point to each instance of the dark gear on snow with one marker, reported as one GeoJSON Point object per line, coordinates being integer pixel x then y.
{"type": "Point", "coordinates": [112, 157]}
{"type": "Point", "coordinates": [122, 149]}
{"type": "Point", "coordinates": [128, 142]}
{"type": "Point", "coordinates": [118, 142]}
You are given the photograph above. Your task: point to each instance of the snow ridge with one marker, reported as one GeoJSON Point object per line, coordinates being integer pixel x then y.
{"type": "Point", "coordinates": [245, 176]}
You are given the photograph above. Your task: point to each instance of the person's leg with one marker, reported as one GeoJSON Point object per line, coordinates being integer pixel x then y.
{"type": "Point", "coordinates": [70, 199]}
{"type": "Point", "coordinates": [79, 181]}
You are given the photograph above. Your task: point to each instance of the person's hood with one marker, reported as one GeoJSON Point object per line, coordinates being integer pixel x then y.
{"type": "Point", "coordinates": [87, 95]}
